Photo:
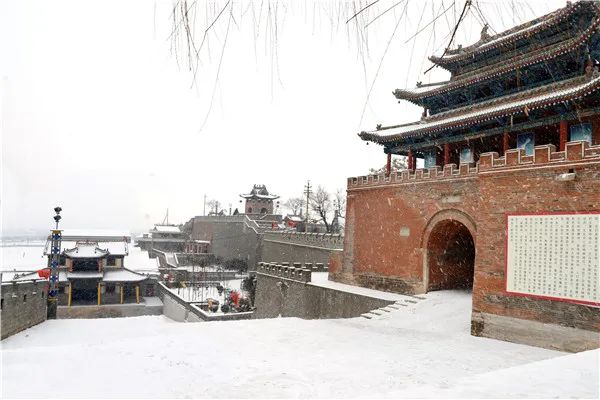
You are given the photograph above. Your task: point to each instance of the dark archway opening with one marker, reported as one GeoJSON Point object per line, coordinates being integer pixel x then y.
{"type": "Point", "coordinates": [451, 257]}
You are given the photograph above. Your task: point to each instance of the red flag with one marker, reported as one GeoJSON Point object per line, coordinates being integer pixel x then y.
{"type": "Point", "coordinates": [44, 273]}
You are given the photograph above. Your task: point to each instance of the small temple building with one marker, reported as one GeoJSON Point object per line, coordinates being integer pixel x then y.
{"type": "Point", "coordinates": [259, 200]}
{"type": "Point", "coordinates": [163, 237]}
{"type": "Point", "coordinates": [508, 200]}
{"type": "Point", "coordinates": [92, 269]}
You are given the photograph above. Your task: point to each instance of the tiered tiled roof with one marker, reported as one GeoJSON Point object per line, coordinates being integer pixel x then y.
{"type": "Point", "coordinates": [259, 192]}
{"type": "Point", "coordinates": [506, 38]}
{"type": "Point", "coordinates": [86, 250]}
{"type": "Point", "coordinates": [418, 94]}
{"type": "Point", "coordinates": [522, 102]}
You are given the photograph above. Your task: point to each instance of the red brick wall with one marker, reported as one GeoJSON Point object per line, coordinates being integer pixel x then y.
{"type": "Point", "coordinates": [390, 221]}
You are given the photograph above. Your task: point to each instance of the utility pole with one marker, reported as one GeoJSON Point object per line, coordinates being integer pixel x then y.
{"type": "Point", "coordinates": [204, 207]}
{"type": "Point", "coordinates": [307, 192]}
{"type": "Point", "coordinates": [56, 238]}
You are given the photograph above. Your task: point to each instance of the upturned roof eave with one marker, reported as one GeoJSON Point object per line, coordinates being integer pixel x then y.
{"type": "Point", "coordinates": [536, 100]}
{"type": "Point", "coordinates": [493, 71]}
{"type": "Point", "coordinates": [450, 61]}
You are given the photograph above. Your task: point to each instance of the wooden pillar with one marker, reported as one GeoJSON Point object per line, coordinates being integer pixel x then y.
{"type": "Point", "coordinates": [122, 290]}
{"type": "Point", "coordinates": [411, 159]}
{"type": "Point", "coordinates": [99, 294]}
{"type": "Point", "coordinates": [505, 142]}
{"type": "Point", "coordinates": [564, 133]}
{"type": "Point", "coordinates": [388, 165]}
{"type": "Point", "coordinates": [137, 294]}
{"type": "Point", "coordinates": [446, 154]}
{"type": "Point", "coordinates": [70, 294]}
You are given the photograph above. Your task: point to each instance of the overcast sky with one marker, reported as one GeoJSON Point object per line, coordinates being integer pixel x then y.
{"type": "Point", "coordinates": [100, 117]}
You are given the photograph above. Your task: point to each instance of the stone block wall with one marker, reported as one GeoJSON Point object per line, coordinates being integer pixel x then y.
{"type": "Point", "coordinates": [284, 291]}
{"type": "Point", "coordinates": [24, 305]}
{"type": "Point", "coordinates": [299, 246]}
{"type": "Point", "coordinates": [391, 222]}
{"type": "Point", "coordinates": [230, 237]}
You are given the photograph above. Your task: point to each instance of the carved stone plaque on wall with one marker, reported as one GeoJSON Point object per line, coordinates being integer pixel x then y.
{"type": "Point", "coordinates": [554, 256]}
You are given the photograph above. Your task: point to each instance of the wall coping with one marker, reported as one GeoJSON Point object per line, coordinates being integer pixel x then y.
{"type": "Point", "coordinates": [328, 240]}
{"type": "Point", "coordinates": [295, 273]}
{"type": "Point", "coordinates": [578, 151]}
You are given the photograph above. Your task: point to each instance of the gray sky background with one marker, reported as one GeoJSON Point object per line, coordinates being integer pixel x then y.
{"type": "Point", "coordinates": [98, 117]}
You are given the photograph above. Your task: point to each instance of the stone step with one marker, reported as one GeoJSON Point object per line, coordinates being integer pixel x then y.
{"type": "Point", "coordinates": [400, 304]}
{"type": "Point", "coordinates": [419, 297]}
{"type": "Point", "coordinates": [385, 309]}
{"type": "Point", "coordinates": [368, 315]}
{"type": "Point", "coordinates": [410, 301]}
{"type": "Point", "coordinates": [393, 307]}
{"type": "Point", "coordinates": [376, 312]}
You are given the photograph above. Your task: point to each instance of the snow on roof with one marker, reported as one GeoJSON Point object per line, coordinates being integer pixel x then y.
{"type": "Point", "coordinates": [294, 218]}
{"type": "Point", "coordinates": [85, 250]}
{"type": "Point", "coordinates": [511, 104]}
{"type": "Point", "coordinates": [84, 275]}
{"type": "Point", "coordinates": [123, 275]}
{"type": "Point", "coordinates": [96, 234]}
{"type": "Point", "coordinates": [423, 88]}
{"type": "Point", "coordinates": [167, 228]}
{"type": "Point", "coordinates": [259, 192]}
{"type": "Point", "coordinates": [116, 248]}
{"type": "Point", "coordinates": [508, 36]}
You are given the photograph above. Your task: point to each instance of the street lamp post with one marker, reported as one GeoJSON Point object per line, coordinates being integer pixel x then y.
{"type": "Point", "coordinates": [56, 238]}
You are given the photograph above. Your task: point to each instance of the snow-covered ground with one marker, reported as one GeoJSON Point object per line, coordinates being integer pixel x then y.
{"type": "Point", "coordinates": [201, 293]}
{"type": "Point", "coordinates": [424, 350]}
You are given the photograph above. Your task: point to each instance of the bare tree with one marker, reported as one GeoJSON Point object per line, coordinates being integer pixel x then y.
{"type": "Point", "coordinates": [398, 164]}
{"type": "Point", "coordinates": [294, 204]}
{"type": "Point", "coordinates": [329, 209]}
{"type": "Point", "coordinates": [214, 207]}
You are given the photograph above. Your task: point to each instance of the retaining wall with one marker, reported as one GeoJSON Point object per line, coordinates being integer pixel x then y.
{"type": "Point", "coordinates": [109, 311]}
{"type": "Point", "coordinates": [283, 291]}
{"type": "Point", "coordinates": [24, 305]}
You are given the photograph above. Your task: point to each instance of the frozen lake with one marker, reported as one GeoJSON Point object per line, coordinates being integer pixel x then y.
{"type": "Point", "coordinates": [424, 352]}
{"type": "Point", "coordinates": [29, 257]}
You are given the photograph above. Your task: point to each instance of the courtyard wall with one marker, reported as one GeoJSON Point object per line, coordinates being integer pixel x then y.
{"type": "Point", "coordinates": [24, 305]}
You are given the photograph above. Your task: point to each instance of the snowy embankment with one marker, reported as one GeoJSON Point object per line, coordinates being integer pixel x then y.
{"type": "Point", "coordinates": [420, 351]}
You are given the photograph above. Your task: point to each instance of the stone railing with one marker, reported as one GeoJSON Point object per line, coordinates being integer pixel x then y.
{"type": "Point", "coordinates": [327, 240]}
{"type": "Point", "coordinates": [165, 260]}
{"type": "Point", "coordinates": [579, 151]}
{"type": "Point", "coordinates": [295, 273]}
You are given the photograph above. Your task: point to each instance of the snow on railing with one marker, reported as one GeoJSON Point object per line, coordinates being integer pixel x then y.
{"type": "Point", "coordinates": [328, 240]}
{"type": "Point", "coordinates": [301, 272]}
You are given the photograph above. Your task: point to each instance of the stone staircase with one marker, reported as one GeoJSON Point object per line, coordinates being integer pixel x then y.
{"type": "Point", "coordinates": [384, 312]}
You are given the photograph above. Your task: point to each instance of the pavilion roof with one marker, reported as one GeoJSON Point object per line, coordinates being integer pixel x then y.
{"type": "Point", "coordinates": [521, 102]}
{"type": "Point", "coordinates": [122, 275]}
{"type": "Point", "coordinates": [507, 37]}
{"type": "Point", "coordinates": [85, 250]}
{"type": "Point", "coordinates": [114, 248]}
{"type": "Point", "coordinates": [167, 229]}
{"type": "Point", "coordinates": [418, 94]}
{"type": "Point", "coordinates": [259, 192]}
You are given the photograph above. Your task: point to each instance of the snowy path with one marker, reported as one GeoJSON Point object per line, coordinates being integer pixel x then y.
{"type": "Point", "coordinates": [421, 351]}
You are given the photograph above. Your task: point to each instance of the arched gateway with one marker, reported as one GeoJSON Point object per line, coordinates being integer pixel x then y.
{"type": "Point", "coordinates": [449, 244]}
